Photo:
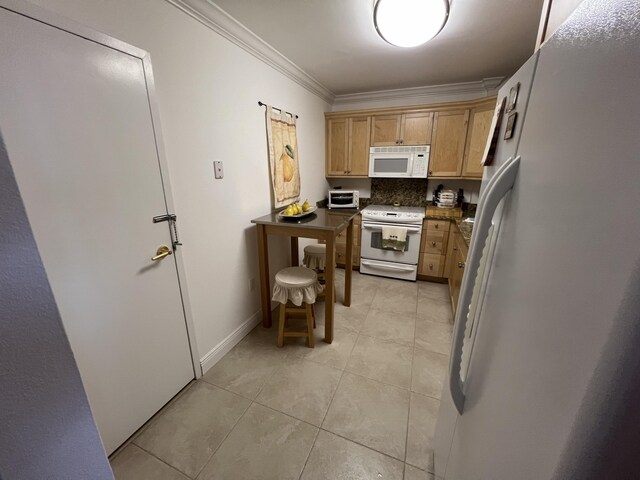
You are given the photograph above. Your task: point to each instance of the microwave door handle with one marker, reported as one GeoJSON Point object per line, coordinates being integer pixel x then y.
{"type": "Point", "coordinates": [499, 185]}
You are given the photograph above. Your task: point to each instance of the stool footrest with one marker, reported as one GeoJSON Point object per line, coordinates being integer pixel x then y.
{"type": "Point", "coordinates": [295, 334]}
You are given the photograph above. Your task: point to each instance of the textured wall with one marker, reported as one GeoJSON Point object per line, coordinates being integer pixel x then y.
{"type": "Point", "coordinates": [46, 427]}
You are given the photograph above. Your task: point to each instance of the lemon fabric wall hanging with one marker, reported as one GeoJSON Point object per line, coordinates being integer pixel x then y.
{"type": "Point", "coordinates": [283, 157]}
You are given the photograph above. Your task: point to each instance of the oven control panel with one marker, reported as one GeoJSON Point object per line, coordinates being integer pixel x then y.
{"type": "Point", "coordinates": [394, 214]}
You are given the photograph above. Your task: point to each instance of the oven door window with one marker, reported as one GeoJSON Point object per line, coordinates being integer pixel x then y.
{"type": "Point", "coordinates": [376, 242]}
{"type": "Point", "coordinates": [391, 165]}
{"type": "Point", "coordinates": [346, 199]}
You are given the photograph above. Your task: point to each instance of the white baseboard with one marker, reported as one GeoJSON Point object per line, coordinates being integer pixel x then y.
{"type": "Point", "coordinates": [216, 353]}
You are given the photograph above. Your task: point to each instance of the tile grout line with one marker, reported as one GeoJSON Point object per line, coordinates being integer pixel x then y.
{"type": "Point", "coordinates": [362, 445]}
{"type": "Point", "coordinates": [413, 356]}
{"type": "Point", "coordinates": [162, 461]}
{"type": "Point", "coordinates": [225, 437]}
{"type": "Point", "coordinates": [306, 460]}
{"type": "Point", "coordinates": [327, 411]}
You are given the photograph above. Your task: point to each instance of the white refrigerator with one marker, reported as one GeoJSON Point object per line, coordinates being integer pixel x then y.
{"type": "Point", "coordinates": [544, 378]}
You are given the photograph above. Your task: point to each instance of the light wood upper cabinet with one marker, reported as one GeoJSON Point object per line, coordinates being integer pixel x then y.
{"type": "Point", "coordinates": [479, 124]}
{"type": "Point", "coordinates": [416, 128]}
{"type": "Point", "coordinates": [447, 146]}
{"type": "Point", "coordinates": [385, 130]}
{"type": "Point", "coordinates": [337, 151]}
{"type": "Point", "coordinates": [457, 133]}
{"type": "Point", "coordinates": [359, 128]}
{"type": "Point", "coordinates": [347, 146]}
{"type": "Point", "coordinates": [401, 129]}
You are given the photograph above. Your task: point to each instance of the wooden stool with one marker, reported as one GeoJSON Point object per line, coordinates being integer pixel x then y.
{"type": "Point", "coordinates": [296, 286]}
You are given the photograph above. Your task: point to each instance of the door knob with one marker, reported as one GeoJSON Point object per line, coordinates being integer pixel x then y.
{"type": "Point", "coordinates": [162, 252]}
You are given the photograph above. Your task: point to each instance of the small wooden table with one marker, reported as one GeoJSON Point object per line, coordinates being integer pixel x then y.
{"type": "Point", "coordinates": [318, 225]}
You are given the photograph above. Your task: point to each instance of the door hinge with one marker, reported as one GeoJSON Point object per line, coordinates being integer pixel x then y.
{"type": "Point", "coordinates": [173, 227]}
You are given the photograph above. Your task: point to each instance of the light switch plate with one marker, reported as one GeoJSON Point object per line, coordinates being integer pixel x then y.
{"type": "Point", "coordinates": [217, 170]}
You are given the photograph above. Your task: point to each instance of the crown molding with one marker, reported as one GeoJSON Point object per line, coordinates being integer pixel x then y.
{"type": "Point", "coordinates": [452, 91]}
{"type": "Point", "coordinates": [213, 17]}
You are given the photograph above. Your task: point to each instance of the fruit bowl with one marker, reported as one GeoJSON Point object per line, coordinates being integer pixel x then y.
{"type": "Point", "coordinates": [298, 215]}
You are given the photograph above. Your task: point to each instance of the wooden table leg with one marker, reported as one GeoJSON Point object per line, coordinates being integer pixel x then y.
{"type": "Point", "coordinates": [265, 288]}
{"type": "Point", "coordinates": [295, 258]}
{"type": "Point", "coordinates": [329, 289]}
{"type": "Point", "coordinates": [348, 268]}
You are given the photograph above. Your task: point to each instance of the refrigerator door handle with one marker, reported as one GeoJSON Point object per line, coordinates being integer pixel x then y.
{"type": "Point", "coordinates": [497, 188]}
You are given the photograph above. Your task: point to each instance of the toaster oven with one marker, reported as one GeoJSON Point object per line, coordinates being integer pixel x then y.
{"type": "Point", "coordinates": [344, 199]}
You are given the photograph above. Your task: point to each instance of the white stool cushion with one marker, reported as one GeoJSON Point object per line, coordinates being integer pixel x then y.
{"type": "Point", "coordinates": [315, 256]}
{"type": "Point", "coordinates": [296, 285]}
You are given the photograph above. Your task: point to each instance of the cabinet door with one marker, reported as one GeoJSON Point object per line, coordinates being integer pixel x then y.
{"type": "Point", "coordinates": [479, 125]}
{"type": "Point", "coordinates": [451, 255]}
{"type": "Point", "coordinates": [359, 129]}
{"type": "Point", "coordinates": [337, 151]}
{"type": "Point", "coordinates": [385, 130]}
{"type": "Point", "coordinates": [416, 128]}
{"type": "Point", "coordinates": [447, 147]}
{"type": "Point", "coordinates": [458, 267]}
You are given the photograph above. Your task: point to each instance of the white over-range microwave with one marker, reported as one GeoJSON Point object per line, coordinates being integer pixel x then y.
{"type": "Point", "coordinates": [399, 162]}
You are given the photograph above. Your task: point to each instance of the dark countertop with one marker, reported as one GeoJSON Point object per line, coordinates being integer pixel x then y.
{"type": "Point", "coordinates": [466, 229]}
{"type": "Point", "coordinates": [318, 220]}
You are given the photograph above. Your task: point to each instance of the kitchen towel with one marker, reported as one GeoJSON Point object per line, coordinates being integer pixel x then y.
{"type": "Point", "coordinates": [283, 157]}
{"type": "Point", "coordinates": [394, 238]}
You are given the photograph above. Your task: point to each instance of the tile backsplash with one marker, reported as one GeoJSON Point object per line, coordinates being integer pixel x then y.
{"type": "Point", "coordinates": [411, 192]}
{"type": "Point", "coordinates": [414, 192]}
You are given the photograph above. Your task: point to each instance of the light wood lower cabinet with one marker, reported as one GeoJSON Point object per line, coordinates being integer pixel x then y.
{"type": "Point", "coordinates": [433, 248]}
{"type": "Point", "coordinates": [456, 266]}
{"type": "Point", "coordinates": [341, 240]}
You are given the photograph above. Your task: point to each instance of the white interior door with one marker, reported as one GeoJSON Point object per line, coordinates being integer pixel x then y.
{"type": "Point", "coordinates": [75, 116]}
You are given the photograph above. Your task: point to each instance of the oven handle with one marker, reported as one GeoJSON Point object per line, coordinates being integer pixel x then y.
{"type": "Point", "coordinates": [378, 226]}
{"type": "Point", "coordinates": [386, 266]}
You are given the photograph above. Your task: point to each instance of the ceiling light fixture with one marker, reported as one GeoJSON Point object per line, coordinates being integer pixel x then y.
{"type": "Point", "coordinates": [409, 23]}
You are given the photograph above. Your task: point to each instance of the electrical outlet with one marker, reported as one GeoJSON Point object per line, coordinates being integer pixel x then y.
{"type": "Point", "coordinates": [252, 284]}
{"type": "Point", "coordinates": [217, 170]}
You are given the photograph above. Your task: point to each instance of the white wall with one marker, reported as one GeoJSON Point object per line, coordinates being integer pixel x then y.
{"type": "Point", "coordinates": [208, 91]}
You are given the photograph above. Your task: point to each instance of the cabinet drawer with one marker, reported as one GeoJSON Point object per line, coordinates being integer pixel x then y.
{"type": "Point", "coordinates": [438, 225]}
{"type": "Point", "coordinates": [435, 243]}
{"type": "Point", "coordinates": [431, 265]}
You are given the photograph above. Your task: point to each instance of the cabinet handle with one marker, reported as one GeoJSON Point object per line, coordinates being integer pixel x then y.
{"type": "Point", "coordinates": [460, 265]}
{"type": "Point", "coordinates": [431, 266]}
{"type": "Point", "coordinates": [430, 172]}
{"type": "Point", "coordinates": [433, 244]}
{"type": "Point", "coordinates": [401, 141]}
{"type": "Point", "coordinates": [437, 225]}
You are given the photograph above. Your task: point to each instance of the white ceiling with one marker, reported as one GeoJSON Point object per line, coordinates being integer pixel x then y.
{"type": "Point", "coordinates": [335, 42]}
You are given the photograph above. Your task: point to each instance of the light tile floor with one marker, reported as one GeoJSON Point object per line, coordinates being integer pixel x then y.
{"type": "Point", "coordinates": [364, 407]}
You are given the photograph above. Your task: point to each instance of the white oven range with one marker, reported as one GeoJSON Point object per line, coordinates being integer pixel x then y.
{"type": "Point", "coordinates": [376, 260]}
